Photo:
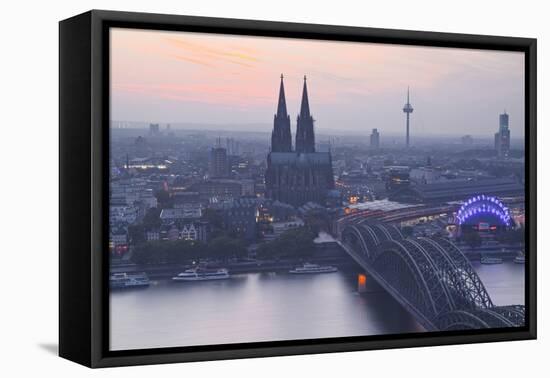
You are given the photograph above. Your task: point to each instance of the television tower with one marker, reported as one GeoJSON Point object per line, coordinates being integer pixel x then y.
{"type": "Point", "coordinates": [408, 109]}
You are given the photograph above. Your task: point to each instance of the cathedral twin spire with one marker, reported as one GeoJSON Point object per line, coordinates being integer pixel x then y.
{"type": "Point", "coordinates": [305, 138]}
{"type": "Point", "coordinates": [281, 138]}
{"type": "Point", "coordinates": [281, 106]}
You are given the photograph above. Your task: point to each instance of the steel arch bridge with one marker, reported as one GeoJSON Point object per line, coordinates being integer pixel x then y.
{"type": "Point", "coordinates": [429, 276]}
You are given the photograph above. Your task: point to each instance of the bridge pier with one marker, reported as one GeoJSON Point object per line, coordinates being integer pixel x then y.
{"type": "Point", "coordinates": [361, 282]}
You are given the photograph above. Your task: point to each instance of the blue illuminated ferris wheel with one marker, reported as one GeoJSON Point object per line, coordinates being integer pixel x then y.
{"type": "Point", "coordinates": [484, 208]}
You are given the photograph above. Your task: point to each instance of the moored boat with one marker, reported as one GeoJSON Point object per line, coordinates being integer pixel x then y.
{"type": "Point", "coordinates": [491, 260]}
{"type": "Point", "coordinates": [308, 268]}
{"type": "Point", "coordinates": [128, 280]}
{"type": "Point", "coordinates": [202, 274]}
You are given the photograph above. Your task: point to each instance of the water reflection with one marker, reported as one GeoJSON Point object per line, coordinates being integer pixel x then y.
{"type": "Point", "coordinates": [272, 306]}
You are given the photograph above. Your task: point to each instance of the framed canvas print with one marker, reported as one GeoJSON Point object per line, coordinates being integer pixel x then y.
{"type": "Point", "coordinates": [234, 188]}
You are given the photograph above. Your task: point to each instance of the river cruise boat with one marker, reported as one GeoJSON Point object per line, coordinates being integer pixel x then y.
{"type": "Point", "coordinates": [128, 280]}
{"type": "Point", "coordinates": [491, 260]}
{"type": "Point", "coordinates": [202, 274]}
{"type": "Point", "coordinates": [308, 268]}
{"type": "Point", "coordinates": [519, 259]}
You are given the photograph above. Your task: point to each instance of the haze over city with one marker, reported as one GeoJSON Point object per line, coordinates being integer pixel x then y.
{"type": "Point", "coordinates": [206, 79]}
{"type": "Point", "coordinates": [238, 164]}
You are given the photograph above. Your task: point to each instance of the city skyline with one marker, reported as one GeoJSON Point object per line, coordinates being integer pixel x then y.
{"type": "Point", "coordinates": [210, 219]}
{"type": "Point", "coordinates": [193, 78]}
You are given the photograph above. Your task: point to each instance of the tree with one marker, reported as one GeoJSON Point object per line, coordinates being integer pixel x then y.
{"type": "Point", "coordinates": [168, 252]}
{"type": "Point", "coordinates": [184, 251]}
{"type": "Point", "coordinates": [297, 242]}
{"type": "Point", "coordinates": [152, 218]}
{"type": "Point", "coordinates": [213, 217]}
{"type": "Point", "coordinates": [407, 231]}
{"type": "Point", "coordinates": [515, 236]}
{"type": "Point", "coordinates": [317, 221]}
{"type": "Point", "coordinates": [152, 252]}
{"type": "Point", "coordinates": [163, 198]}
{"type": "Point", "coordinates": [136, 234]}
{"type": "Point", "coordinates": [472, 238]}
{"type": "Point", "coordinates": [224, 248]}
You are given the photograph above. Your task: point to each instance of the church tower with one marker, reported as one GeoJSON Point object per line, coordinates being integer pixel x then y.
{"type": "Point", "coordinates": [300, 176]}
{"type": "Point", "coordinates": [305, 138]}
{"type": "Point", "coordinates": [281, 139]}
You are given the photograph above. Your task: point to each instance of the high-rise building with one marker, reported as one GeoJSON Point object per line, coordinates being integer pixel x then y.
{"type": "Point", "coordinates": [408, 109]}
{"type": "Point", "coordinates": [467, 140]}
{"type": "Point", "coordinates": [154, 129]}
{"type": "Point", "coordinates": [301, 176]}
{"type": "Point", "coordinates": [375, 139]}
{"type": "Point", "coordinates": [232, 146]}
{"type": "Point", "coordinates": [169, 132]}
{"type": "Point", "coordinates": [141, 147]}
{"type": "Point", "coordinates": [218, 165]}
{"type": "Point", "coordinates": [502, 137]}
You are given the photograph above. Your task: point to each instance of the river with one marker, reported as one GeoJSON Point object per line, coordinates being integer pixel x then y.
{"type": "Point", "coordinates": [273, 306]}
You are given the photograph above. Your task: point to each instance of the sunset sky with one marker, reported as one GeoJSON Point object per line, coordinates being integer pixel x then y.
{"type": "Point", "coordinates": [218, 79]}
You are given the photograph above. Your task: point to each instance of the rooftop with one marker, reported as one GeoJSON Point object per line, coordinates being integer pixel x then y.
{"type": "Point", "coordinates": [181, 213]}
{"type": "Point", "coordinates": [383, 205]}
{"type": "Point", "coordinates": [462, 188]}
{"type": "Point", "coordinates": [300, 158]}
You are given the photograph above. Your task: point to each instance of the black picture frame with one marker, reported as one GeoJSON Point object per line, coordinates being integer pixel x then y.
{"type": "Point", "coordinates": [83, 180]}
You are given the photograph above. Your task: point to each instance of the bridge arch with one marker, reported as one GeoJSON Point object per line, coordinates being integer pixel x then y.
{"type": "Point", "coordinates": [367, 237]}
{"type": "Point", "coordinates": [496, 317]}
{"type": "Point", "coordinates": [409, 271]}
{"type": "Point", "coordinates": [430, 276]}
{"type": "Point", "coordinates": [469, 286]}
{"type": "Point", "coordinates": [460, 320]}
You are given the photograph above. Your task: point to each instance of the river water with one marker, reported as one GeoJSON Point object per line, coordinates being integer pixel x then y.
{"type": "Point", "coordinates": [273, 306]}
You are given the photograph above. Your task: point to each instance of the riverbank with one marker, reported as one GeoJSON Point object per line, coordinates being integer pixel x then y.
{"type": "Point", "coordinates": [326, 254]}
{"type": "Point", "coordinates": [166, 271]}
{"type": "Point", "coordinates": [475, 255]}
